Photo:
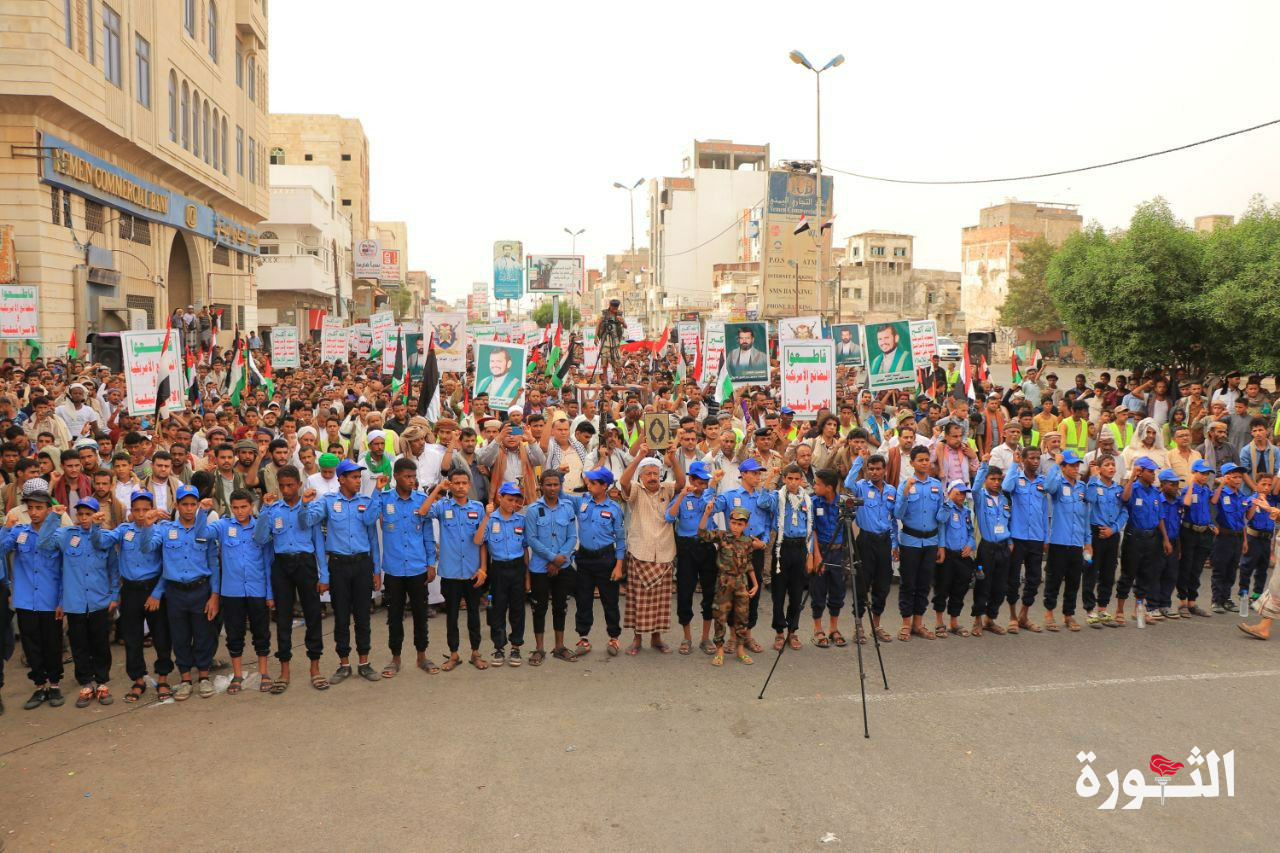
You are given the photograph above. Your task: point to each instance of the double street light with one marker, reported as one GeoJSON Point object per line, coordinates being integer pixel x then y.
{"type": "Point", "coordinates": [631, 192]}
{"type": "Point", "coordinates": [799, 59]}
{"type": "Point", "coordinates": [573, 237]}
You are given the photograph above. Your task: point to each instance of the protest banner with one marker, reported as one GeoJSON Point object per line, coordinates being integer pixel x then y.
{"type": "Point", "coordinates": [334, 343]}
{"type": "Point", "coordinates": [499, 373]}
{"type": "Point", "coordinates": [142, 371]}
{"type": "Point", "coordinates": [19, 314]}
{"type": "Point", "coordinates": [800, 328]}
{"type": "Point", "coordinates": [808, 371]}
{"type": "Point", "coordinates": [712, 349]}
{"type": "Point", "coordinates": [924, 340]}
{"type": "Point", "coordinates": [891, 363]}
{"type": "Point", "coordinates": [284, 347]}
{"type": "Point", "coordinates": [449, 333]}
{"type": "Point", "coordinates": [687, 331]}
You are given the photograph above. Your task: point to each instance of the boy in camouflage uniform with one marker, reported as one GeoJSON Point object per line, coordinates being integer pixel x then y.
{"type": "Point", "coordinates": [735, 578]}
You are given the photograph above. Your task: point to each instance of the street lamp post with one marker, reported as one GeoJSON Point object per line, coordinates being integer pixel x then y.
{"type": "Point", "coordinates": [631, 192]}
{"type": "Point", "coordinates": [799, 59]}
{"type": "Point", "coordinates": [573, 250]}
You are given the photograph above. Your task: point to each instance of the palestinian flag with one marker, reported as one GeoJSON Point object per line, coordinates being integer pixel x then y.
{"type": "Point", "coordinates": [429, 392]}
{"type": "Point", "coordinates": [399, 388]}
{"type": "Point", "coordinates": [216, 315]}
{"type": "Point", "coordinates": [653, 347]}
{"type": "Point", "coordinates": [921, 374]}
{"type": "Point", "coordinates": [162, 389]}
{"type": "Point", "coordinates": [192, 383]}
{"type": "Point", "coordinates": [724, 385]}
{"type": "Point", "coordinates": [237, 377]}
{"type": "Point", "coordinates": [553, 360]}
{"type": "Point", "coordinates": [682, 369]}
{"type": "Point", "coordinates": [1013, 364]}
{"type": "Point", "coordinates": [72, 352]}
{"type": "Point", "coordinates": [967, 377]}
{"type": "Point", "coordinates": [562, 372]}
{"type": "Point", "coordinates": [466, 400]}
{"type": "Point", "coordinates": [801, 226]}
{"type": "Point", "coordinates": [263, 376]}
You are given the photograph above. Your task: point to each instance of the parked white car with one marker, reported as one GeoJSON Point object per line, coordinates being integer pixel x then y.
{"type": "Point", "coordinates": [948, 349]}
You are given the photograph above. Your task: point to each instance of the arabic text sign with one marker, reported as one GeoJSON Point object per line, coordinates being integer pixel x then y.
{"type": "Point", "coordinates": [712, 348]}
{"type": "Point", "coordinates": [808, 371]}
{"type": "Point", "coordinates": [688, 333]}
{"type": "Point", "coordinates": [368, 259]}
{"type": "Point", "coordinates": [284, 347]}
{"type": "Point", "coordinates": [555, 273]}
{"type": "Point", "coordinates": [333, 343]}
{"type": "Point", "coordinates": [143, 369]}
{"type": "Point", "coordinates": [19, 316]}
{"type": "Point", "coordinates": [924, 340]}
{"type": "Point", "coordinates": [1088, 784]}
{"type": "Point", "coordinates": [508, 269]}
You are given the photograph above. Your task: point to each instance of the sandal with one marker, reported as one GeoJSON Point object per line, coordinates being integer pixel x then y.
{"type": "Point", "coordinates": [265, 684]}
{"type": "Point", "coordinates": [537, 657]}
{"type": "Point", "coordinates": [103, 695]}
{"type": "Point", "coordinates": [1118, 619]}
{"type": "Point", "coordinates": [319, 682]}
{"type": "Point", "coordinates": [1013, 627]}
{"type": "Point", "coordinates": [234, 687]}
{"type": "Point", "coordinates": [1051, 626]}
{"type": "Point", "coordinates": [883, 636]}
{"type": "Point", "coordinates": [795, 643]}
{"type": "Point", "coordinates": [428, 666]}
{"type": "Point", "coordinates": [662, 647]}
{"type": "Point", "coordinates": [922, 631]}
{"type": "Point", "coordinates": [686, 647]}
{"type": "Point", "coordinates": [997, 629]}
{"type": "Point", "coordinates": [583, 647]}
{"type": "Point", "coordinates": [939, 632]}
{"type": "Point", "coordinates": [778, 642]}
{"type": "Point", "coordinates": [1030, 626]}
{"type": "Point", "coordinates": [838, 639]}
{"type": "Point", "coordinates": [859, 636]}
{"type": "Point", "coordinates": [163, 691]}
{"type": "Point", "coordinates": [960, 631]}
{"type": "Point", "coordinates": [613, 648]}
{"type": "Point", "coordinates": [744, 657]}
{"type": "Point", "coordinates": [278, 687]}
{"type": "Point", "coordinates": [632, 650]}
{"type": "Point", "coordinates": [718, 660]}
{"type": "Point", "coordinates": [565, 654]}
{"type": "Point", "coordinates": [820, 640]}
{"type": "Point", "coordinates": [391, 670]}
{"type": "Point", "coordinates": [1071, 623]}
{"type": "Point", "coordinates": [478, 661]}
{"type": "Point", "coordinates": [904, 634]}
{"type": "Point", "coordinates": [754, 645]}
{"type": "Point", "coordinates": [135, 692]}
{"type": "Point", "coordinates": [708, 647]}
{"type": "Point", "coordinates": [976, 630]}
{"type": "Point", "coordinates": [451, 664]}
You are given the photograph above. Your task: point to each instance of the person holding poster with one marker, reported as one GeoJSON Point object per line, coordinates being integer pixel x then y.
{"type": "Point", "coordinates": [892, 365]}
{"type": "Point", "coordinates": [848, 345]}
{"type": "Point", "coordinates": [498, 372]}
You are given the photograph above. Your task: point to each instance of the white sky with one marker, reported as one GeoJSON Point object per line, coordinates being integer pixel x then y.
{"type": "Point", "coordinates": [508, 120]}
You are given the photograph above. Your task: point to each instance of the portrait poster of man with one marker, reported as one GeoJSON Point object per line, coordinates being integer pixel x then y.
{"type": "Point", "coordinates": [848, 338]}
{"type": "Point", "coordinates": [499, 372]}
{"type": "Point", "coordinates": [889, 359]}
{"type": "Point", "coordinates": [747, 352]}
{"type": "Point", "coordinates": [415, 344]}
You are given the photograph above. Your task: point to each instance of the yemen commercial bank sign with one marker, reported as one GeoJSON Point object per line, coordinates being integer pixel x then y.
{"type": "Point", "coordinates": [77, 170]}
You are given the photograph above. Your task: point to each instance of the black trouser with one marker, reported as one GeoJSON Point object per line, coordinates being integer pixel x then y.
{"type": "Point", "coordinates": [351, 591]}
{"type": "Point", "coordinates": [789, 584]}
{"type": "Point", "coordinates": [195, 635]}
{"type": "Point", "coordinates": [294, 576]}
{"type": "Point", "coordinates": [6, 629]}
{"type": "Point", "coordinates": [133, 615]}
{"type": "Point", "coordinates": [1139, 557]}
{"type": "Point", "coordinates": [695, 564]}
{"type": "Point", "coordinates": [455, 591]}
{"type": "Point", "coordinates": [42, 644]}
{"type": "Point", "coordinates": [236, 613]}
{"type": "Point", "coordinates": [1196, 547]}
{"type": "Point", "coordinates": [506, 585]}
{"type": "Point", "coordinates": [989, 592]}
{"type": "Point", "coordinates": [594, 570]}
{"type": "Point", "coordinates": [827, 587]}
{"type": "Point", "coordinates": [1253, 565]}
{"type": "Point", "coordinates": [753, 607]}
{"type": "Point", "coordinates": [1166, 575]}
{"type": "Point", "coordinates": [395, 589]}
{"type": "Point", "coordinates": [1025, 566]}
{"type": "Point", "coordinates": [90, 636]}
{"type": "Point", "coordinates": [1066, 565]}
{"type": "Point", "coordinates": [1100, 575]}
{"type": "Point", "coordinates": [915, 569]}
{"type": "Point", "coordinates": [558, 589]}
{"type": "Point", "coordinates": [876, 553]}
{"type": "Point", "coordinates": [952, 582]}
{"type": "Point", "coordinates": [1226, 562]}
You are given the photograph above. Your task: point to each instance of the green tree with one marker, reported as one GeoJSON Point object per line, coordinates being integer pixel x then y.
{"type": "Point", "coordinates": [569, 314]}
{"type": "Point", "coordinates": [1028, 303]}
{"type": "Point", "coordinates": [1242, 266]}
{"type": "Point", "coordinates": [402, 302]}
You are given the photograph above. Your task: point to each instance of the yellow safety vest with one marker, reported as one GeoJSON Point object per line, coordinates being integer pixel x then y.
{"type": "Point", "coordinates": [1073, 437]}
{"type": "Point", "coordinates": [1115, 433]}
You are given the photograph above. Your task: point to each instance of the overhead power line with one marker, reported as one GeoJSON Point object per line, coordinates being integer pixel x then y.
{"type": "Point", "coordinates": [712, 238]}
{"type": "Point", "coordinates": [1221, 136]}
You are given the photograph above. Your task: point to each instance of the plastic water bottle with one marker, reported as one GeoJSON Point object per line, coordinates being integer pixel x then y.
{"type": "Point", "coordinates": [981, 574]}
{"type": "Point", "coordinates": [1142, 613]}
{"type": "Point", "coordinates": [1244, 602]}
{"type": "Point", "coordinates": [1088, 558]}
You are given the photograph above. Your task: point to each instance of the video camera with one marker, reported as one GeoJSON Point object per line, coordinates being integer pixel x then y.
{"type": "Point", "coordinates": [849, 504]}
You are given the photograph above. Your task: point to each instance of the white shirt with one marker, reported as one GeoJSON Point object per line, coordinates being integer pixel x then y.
{"type": "Point", "coordinates": [75, 419]}
{"type": "Point", "coordinates": [323, 487]}
{"type": "Point", "coordinates": [124, 493]}
{"type": "Point", "coordinates": [429, 465]}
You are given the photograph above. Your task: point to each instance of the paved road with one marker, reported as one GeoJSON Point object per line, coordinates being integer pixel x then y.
{"type": "Point", "coordinates": [974, 745]}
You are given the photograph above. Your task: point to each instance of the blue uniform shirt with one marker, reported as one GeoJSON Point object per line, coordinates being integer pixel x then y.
{"type": "Point", "coordinates": [246, 563]}
{"type": "Point", "coordinates": [350, 522]}
{"type": "Point", "coordinates": [795, 518]}
{"type": "Point", "coordinates": [600, 525]}
{"type": "Point", "coordinates": [1200, 512]}
{"type": "Point", "coordinates": [1170, 516]}
{"type": "Point", "coordinates": [37, 573]}
{"type": "Point", "coordinates": [1262, 520]}
{"type": "Point", "coordinates": [185, 555]}
{"type": "Point", "coordinates": [504, 537]}
{"type": "Point", "coordinates": [1105, 507]}
{"type": "Point", "coordinates": [1029, 505]}
{"type": "Point", "coordinates": [826, 522]}
{"type": "Point", "coordinates": [919, 510]}
{"type": "Point", "coordinates": [459, 554]}
{"type": "Point", "coordinates": [992, 512]}
{"type": "Point", "coordinates": [90, 574]}
{"type": "Point", "coordinates": [955, 527]}
{"type": "Point", "coordinates": [1143, 506]}
{"type": "Point", "coordinates": [293, 528]}
{"type": "Point", "coordinates": [550, 532]}
{"type": "Point", "coordinates": [760, 503]}
{"type": "Point", "coordinates": [1070, 524]}
{"type": "Point", "coordinates": [876, 513]}
{"type": "Point", "coordinates": [408, 539]}
{"type": "Point", "coordinates": [135, 564]}
{"type": "Point", "coordinates": [688, 512]}
{"type": "Point", "coordinates": [1231, 509]}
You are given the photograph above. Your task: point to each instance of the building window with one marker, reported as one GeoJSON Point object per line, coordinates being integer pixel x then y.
{"type": "Point", "coordinates": [186, 116]}
{"type": "Point", "coordinates": [213, 133]}
{"type": "Point", "coordinates": [252, 72]}
{"type": "Point", "coordinates": [189, 17]}
{"type": "Point", "coordinates": [173, 106]}
{"type": "Point", "coordinates": [899, 252]}
{"type": "Point", "coordinates": [240, 261]}
{"type": "Point", "coordinates": [346, 158]}
{"type": "Point", "coordinates": [268, 249]}
{"type": "Point", "coordinates": [239, 150]}
{"type": "Point", "coordinates": [239, 65]}
{"type": "Point", "coordinates": [93, 216]}
{"type": "Point", "coordinates": [221, 256]}
{"type": "Point", "coordinates": [142, 232]}
{"type": "Point", "coordinates": [857, 293]}
{"type": "Point", "coordinates": [204, 130]}
{"type": "Point", "coordinates": [253, 161]}
{"type": "Point", "coordinates": [111, 44]}
{"type": "Point", "coordinates": [195, 122]}
{"type": "Point", "coordinates": [66, 10]}
{"type": "Point", "coordinates": [856, 250]}
{"type": "Point", "coordinates": [877, 251]}
{"type": "Point", "coordinates": [240, 316]}
{"type": "Point", "coordinates": [225, 152]}
{"type": "Point", "coordinates": [307, 157]}
{"type": "Point", "coordinates": [93, 57]}
{"type": "Point", "coordinates": [213, 31]}
{"type": "Point", "coordinates": [346, 202]}
{"type": "Point", "coordinates": [277, 156]}
{"type": "Point", "coordinates": [142, 50]}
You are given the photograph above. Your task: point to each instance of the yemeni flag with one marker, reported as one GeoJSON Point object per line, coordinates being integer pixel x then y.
{"type": "Point", "coordinates": [801, 226]}
{"type": "Point", "coordinates": [193, 384]}
{"type": "Point", "coordinates": [237, 377]}
{"type": "Point", "coordinates": [213, 341]}
{"type": "Point", "coordinates": [682, 369]}
{"type": "Point", "coordinates": [697, 364]}
{"type": "Point", "coordinates": [466, 400]}
{"type": "Point", "coordinates": [562, 372]}
{"type": "Point", "coordinates": [429, 393]}
{"type": "Point", "coordinates": [162, 389]}
{"type": "Point", "coordinates": [1017, 371]}
{"type": "Point", "coordinates": [1037, 360]}
{"type": "Point", "coordinates": [72, 352]}
{"type": "Point", "coordinates": [399, 388]}
{"type": "Point", "coordinates": [968, 374]}
{"type": "Point", "coordinates": [830, 223]}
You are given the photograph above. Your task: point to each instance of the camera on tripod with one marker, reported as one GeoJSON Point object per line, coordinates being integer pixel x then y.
{"type": "Point", "coordinates": [849, 505]}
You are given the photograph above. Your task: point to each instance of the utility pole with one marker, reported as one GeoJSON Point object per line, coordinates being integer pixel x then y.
{"type": "Point", "coordinates": [799, 58]}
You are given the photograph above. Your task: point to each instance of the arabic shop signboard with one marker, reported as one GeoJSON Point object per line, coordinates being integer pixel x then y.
{"type": "Point", "coordinates": [808, 371]}
{"type": "Point", "coordinates": [19, 317]}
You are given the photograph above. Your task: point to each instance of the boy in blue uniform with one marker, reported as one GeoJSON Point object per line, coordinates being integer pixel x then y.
{"type": "Point", "coordinates": [462, 570]}
{"type": "Point", "coordinates": [1069, 539]}
{"type": "Point", "coordinates": [37, 592]}
{"type": "Point", "coordinates": [551, 532]}
{"type": "Point", "coordinates": [826, 585]}
{"type": "Point", "coordinates": [1140, 551]}
{"type": "Point", "coordinates": [695, 559]}
{"type": "Point", "coordinates": [795, 558]}
{"type": "Point", "coordinates": [877, 541]}
{"type": "Point", "coordinates": [1029, 526]}
{"type": "Point", "coordinates": [502, 534]}
{"type": "Point", "coordinates": [408, 564]}
{"type": "Point", "coordinates": [246, 584]}
{"type": "Point", "coordinates": [956, 547]}
{"type": "Point", "coordinates": [602, 543]}
{"type": "Point", "coordinates": [90, 580]}
{"type": "Point", "coordinates": [917, 509]}
{"type": "Point", "coordinates": [991, 508]}
{"type": "Point", "coordinates": [1107, 517]}
{"type": "Point", "coordinates": [1197, 537]}
{"type": "Point", "coordinates": [1259, 528]}
{"type": "Point", "coordinates": [1228, 536]}
{"type": "Point", "coordinates": [1170, 530]}
{"type": "Point", "coordinates": [141, 601]}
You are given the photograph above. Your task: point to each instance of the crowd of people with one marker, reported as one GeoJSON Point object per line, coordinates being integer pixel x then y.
{"type": "Point", "coordinates": [333, 493]}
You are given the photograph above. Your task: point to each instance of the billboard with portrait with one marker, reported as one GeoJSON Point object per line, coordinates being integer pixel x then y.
{"type": "Point", "coordinates": [499, 373]}
{"type": "Point", "coordinates": [747, 352]}
{"type": "Point", "coordinates": [508, 269]}
{"type": "Point", "coordinates": [888, 352]}
{"type": "Point", "coordinates": [556, 273]}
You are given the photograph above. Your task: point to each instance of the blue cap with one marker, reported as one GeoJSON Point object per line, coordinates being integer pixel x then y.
{"type": "Point", "coordinates": [346, 466]}
{"type": "Point", "coordinates": [141, 493]}
{"type": "Point", "coordinates": [749, 465]}
{"type": "Point", "coordinates": [1167, 476]}
{"type": "Point", "coordinates": [510, 489]}
{"type": "Point", "coordinates": [699, 470]}
{"type": "Point", "coordinates": [1229, 468]}
{"type": "Point", "coordinates": [787, 410]}
{"type": "Point", "coordinates": [185, 492]}
{"type": "Point", "coordinates": [957, 485]}
{"type": "Point", "coordinates": [90, 502]}
{"type": "Point", "coordinates": [1070, 457]}
{"type": "Point", "coordinates": [600, 475]}
{"type": "Point", "coordinates": [1146, 462]}
{"type": "Point", "coordinates": [1201, 467]}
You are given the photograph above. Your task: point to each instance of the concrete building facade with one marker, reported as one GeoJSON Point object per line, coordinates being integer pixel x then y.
{"type": "Point", "coordinates": [305, 139]}
{"type": "Point", "coordinates": [394, 240]}
{"type": "Point", "coordinates": [133, 167]}
{"type": "Point", "coordinates": [305, 249]}
{"type": "Point", "coordinates": [989, 251]}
